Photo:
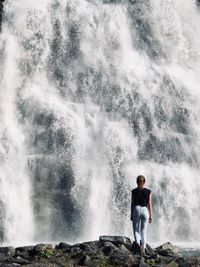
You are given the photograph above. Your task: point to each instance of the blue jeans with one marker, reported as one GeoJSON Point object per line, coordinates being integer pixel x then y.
{"type": "Point", "coordinates": [140, 222]}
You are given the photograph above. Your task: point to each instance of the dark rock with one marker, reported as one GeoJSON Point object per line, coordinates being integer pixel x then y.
{"type": "Point", "coordinates": [126, 260]}
{"type": "Point", "coordinates": [108, 248]}
{"type": "Point", "coordinates": [149, 250]}
{"type": "Point", "coordinates": [135, 248]}
{"type": "Point", "coordinates": [24, 248]}
{"type": "Point", "coordinates": [166, 245]}
{"type": "Point", "coordinates": [3, 257]}
{"type": "Point", "coordinates": [85, 247]}
{"type": "Point", "coordinates": [38, 264]}
{"type": "Point", "coordinates": [167, 249]}
{"type": "Point", "coordinates": [19, 260]}
{"type": "Point", "coordinates": [143, 263]}
{"type": "Point", "coordinates": [191, 262]}
{"type": "Point", "coordinates": [76, 249]}
{"type": "Point", "coordinates": [123, 250]}
{"type": "Point", "coordinates": [116, 240]}
{"type": "Point", "coordinates": [94, 245]}
{"type": "Point", "coordinates": [24, 252]}
{"type": "Point", "coordinates": [10, 265]}
{"type": "Point", "coordinates": [8, 251]}
{"type": "Point", "coordinates": [63, 246]}
{"type": "Point", "coordinates": [85, 260]}
{"type": "Point", "coordinates": [124, 257]}
{"type": "Point", "coordinates": [39, 248]}
{"type": "Point", "coordinates": [168, 252]}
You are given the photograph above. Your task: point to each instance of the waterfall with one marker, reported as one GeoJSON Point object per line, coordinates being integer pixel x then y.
{"type": "Point", "coordinates": [94, 93]}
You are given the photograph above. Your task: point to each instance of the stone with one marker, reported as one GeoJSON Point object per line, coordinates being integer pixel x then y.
{"type": "Point", "coordinates": [149, 250]}
{"type": "Point", "coordinates": [4, 257]}
{"type": "Point", "coordinates": [85, 247]}
{"type": "Point", "coordinates": [125, 260]}
{"type": "Point", "coordinates": [123, 249]}
{"type": "Point", "coordinates": [8, 251]}
{"type": "Point", "coordinates": [193, 261]}
{"type": "Point", "coordinates": [63, 246]}
{"type": "Point", "coordinates": [135, 248]}
{"type": "Point", "coordinates": [94, 246]}
{"type": "Point", "coordinates": [19, 260]}
{"type": "Point", "coordinates": [167, 249]}
{"type": "Point", "coordinates": [116, 240]}
{"type": "Point", "coordinates": [24, 252]}
{"type": "Point", "coordinates": [24, 248]}
{"type": "Point", "coordinates": [37, 249]}
{"type": "Point", "coordinates": [11, 265]}
{"type": "Point", "coordinates": [76, 249]}
{"type": "Point", "coordinates": [108, 248]}
{"type": "Point", "coordinates": [85, 260]}
{"type": "Point", "coordinates": [167, 245]}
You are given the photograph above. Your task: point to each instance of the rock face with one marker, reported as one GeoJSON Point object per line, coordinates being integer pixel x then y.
{"type": "Point", "coordinates": [107, 251]}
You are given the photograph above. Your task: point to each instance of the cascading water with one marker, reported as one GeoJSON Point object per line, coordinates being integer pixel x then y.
{"type": "Point", "coordinates": [94, 93]}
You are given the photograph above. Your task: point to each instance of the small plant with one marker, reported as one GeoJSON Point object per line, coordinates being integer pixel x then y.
{"type": "Point", "coordinates": [46, 252]}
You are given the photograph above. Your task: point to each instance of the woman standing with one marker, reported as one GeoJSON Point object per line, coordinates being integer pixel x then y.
{"type": "Point", "coordinates": [141, 212]}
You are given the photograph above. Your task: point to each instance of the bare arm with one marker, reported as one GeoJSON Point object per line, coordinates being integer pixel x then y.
{"type": "Point", "coordinates": [150, 207]}
{"type": "Point", "coordinates": [131, 206]}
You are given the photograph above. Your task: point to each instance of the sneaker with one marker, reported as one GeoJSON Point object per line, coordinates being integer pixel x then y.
{"type": "Point", "coordinates": [138, 249]}
{"type": "Point", "coordinates": [135, 248]}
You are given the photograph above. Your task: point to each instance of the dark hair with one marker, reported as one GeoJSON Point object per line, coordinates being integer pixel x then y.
{"type": "Point", "coordinates": [140, 179]}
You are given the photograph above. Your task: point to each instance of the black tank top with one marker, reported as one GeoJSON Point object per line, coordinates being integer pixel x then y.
{"type": "Point", "coordinates": [140, 196]}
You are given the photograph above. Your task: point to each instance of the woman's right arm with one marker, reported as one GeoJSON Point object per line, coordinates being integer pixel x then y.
{"type": "Point", "coordinates": [150, 207]}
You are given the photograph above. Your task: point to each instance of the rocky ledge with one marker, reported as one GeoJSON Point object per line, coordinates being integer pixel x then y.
{"type": "Point", "coordinates": [107, 251]}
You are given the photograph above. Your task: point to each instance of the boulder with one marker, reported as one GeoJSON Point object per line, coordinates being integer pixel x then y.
{"type": "Point", "coordinates": [24, 248]}
{"type": "Point", "coordinates": [63, 246]}
{"type": "Point", "coordinates": [75, 250]}
{"type": "Point", "coordinates": [190, 262]}
{"type": "Point", "coordinates": [94, 245]}
{"type": "Point", "coordinates": [8, 251]}
{"type": "Point", "coordinates": [3, 257]}
{"type": "Point", "coordinates": [167, 249]}
{"type": "Point", "coordinates": [149, 250]}
{"type": "Point", "coordinates": [24, 251]}
{"type": "Point", "coordinates": [85, 261]}
{"type": "Point", "coordinates": [19, 260]}
{"type": "Point", "coordinates": [123, 259]}
{"type": "Point", "coordinates": [108, 248]}
{"type": "Point", "coordinates": [166, 245]}
{"type": "Point", "coordinates": [39, 248]}
{"type": "Point", "coordinates": [135, 248]}
{"type": "Point", "coordinates": [116, 240]}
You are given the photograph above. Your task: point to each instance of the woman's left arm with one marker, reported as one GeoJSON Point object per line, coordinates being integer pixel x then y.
{"type": "Point", "coordinates": [132, 204]}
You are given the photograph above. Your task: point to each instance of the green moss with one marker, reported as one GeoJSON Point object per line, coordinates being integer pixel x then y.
{"type": "Point", "coordinates": [151, 262]}
{"type": "Point", "coordinates": [47, 252]}
{"type": "Point", "coordinates": [104, 262]}
{"type": "Point", "coordinates": [172, 264]}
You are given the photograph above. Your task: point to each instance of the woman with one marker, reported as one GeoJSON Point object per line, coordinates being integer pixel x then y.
{"type": "Point", "coordinates": [141, 212]}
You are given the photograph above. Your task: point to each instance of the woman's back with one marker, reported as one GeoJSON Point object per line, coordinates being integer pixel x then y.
{"type": "Point", "coordinates": [140, 196]}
